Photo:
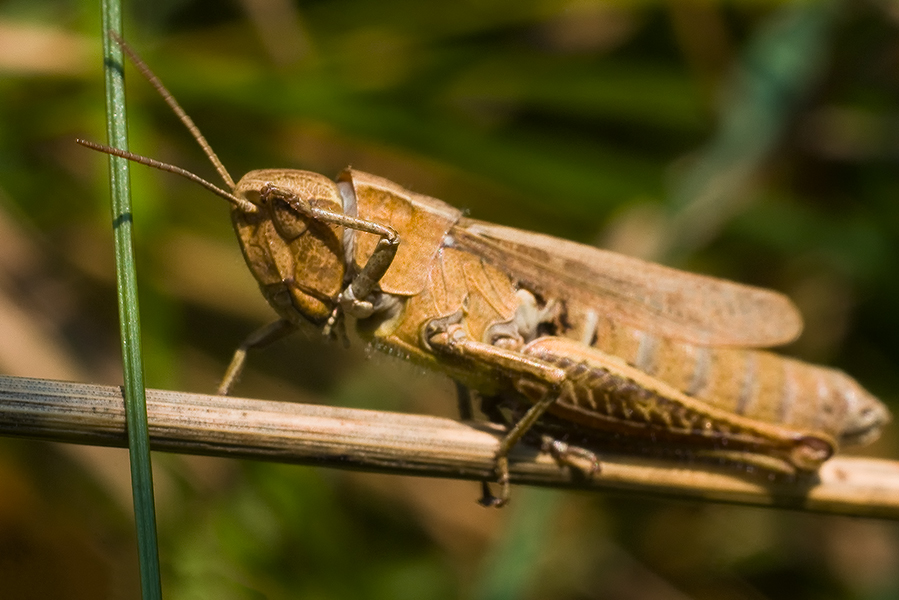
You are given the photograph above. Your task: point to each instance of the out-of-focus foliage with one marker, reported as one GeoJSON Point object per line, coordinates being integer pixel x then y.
{"type": "Point", "coordinates": [753, 141]}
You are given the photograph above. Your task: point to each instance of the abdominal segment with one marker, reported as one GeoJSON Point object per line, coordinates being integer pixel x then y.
{"type": "Point", "coordinates": [604, 394]}
{"type": "Point", "coordinates": [752, 383]}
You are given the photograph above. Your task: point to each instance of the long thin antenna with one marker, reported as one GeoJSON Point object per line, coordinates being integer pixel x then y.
{"type": "Point", "coordinates": [138, 62]}
{"type": "Point", "coordinates": [241, 203]}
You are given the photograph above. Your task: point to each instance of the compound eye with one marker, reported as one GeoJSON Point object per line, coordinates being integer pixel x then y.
{"type": "Point", "coordinates": [289, 223]}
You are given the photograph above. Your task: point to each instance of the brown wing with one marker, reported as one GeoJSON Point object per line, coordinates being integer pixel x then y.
{"type": "Point", "coordinates": [692, 308]}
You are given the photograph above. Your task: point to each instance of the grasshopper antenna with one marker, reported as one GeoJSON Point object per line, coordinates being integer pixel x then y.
{"type": "Point", "coordinates": [241, 203]}
{"type": "Point", "coordinates": [138, 62]}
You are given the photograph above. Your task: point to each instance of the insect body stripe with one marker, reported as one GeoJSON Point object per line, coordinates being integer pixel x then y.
{"type": "Point", "coordinates": [789, 393]}
{"type": "Point", "coordinates": [647, 353]}
{"type": "Point", "coordinates": [822, 388]}
{"type": "Point", "coordinates": [788, 396]}
{"type": "Point", "coordinates": [701, 371]}
{"type": "Point", "coordinates": [747, 385]}
{"type": "Point", "coordinates": [590, 334]}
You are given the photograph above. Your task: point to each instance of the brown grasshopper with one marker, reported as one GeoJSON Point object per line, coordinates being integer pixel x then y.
{"type": "Point", "coordinates": [609, 345]}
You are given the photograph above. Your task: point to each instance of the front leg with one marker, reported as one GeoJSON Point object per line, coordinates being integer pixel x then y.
{"type": "Point", "coordinates": [258, 339]}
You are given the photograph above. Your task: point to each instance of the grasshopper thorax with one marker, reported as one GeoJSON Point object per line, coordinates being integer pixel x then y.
{"type": "Point", "coordinates": [297, 259]}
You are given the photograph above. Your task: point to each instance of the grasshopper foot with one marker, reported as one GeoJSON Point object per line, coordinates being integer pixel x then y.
{"type": "Point", "coordinates": [505, 487]}
{"type": "Point", "coordinates": [580, 459]}
{"type": "Point", "coordinates": [487, 498]}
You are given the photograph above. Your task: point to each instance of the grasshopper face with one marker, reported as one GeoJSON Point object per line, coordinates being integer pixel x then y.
{"type": "Point", "coordinates": [298, 261]}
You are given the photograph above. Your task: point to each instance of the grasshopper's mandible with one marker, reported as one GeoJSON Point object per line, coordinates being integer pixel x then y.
{"type": "Point", "coordinates": [607, 345]}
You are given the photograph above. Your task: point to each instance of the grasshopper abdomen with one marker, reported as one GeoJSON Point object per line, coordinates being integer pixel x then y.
{"type": "Point", "coordinates": [605, 394]}
{"type": "Point", "coordinates": [751, 383]}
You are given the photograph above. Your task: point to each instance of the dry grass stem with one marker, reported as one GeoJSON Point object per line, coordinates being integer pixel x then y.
{"type": "Point", "coordinates": [410, 445]}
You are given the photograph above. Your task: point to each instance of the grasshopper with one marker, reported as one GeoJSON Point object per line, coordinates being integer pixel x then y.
{"type": "Point", "coordinates": [586, 339]}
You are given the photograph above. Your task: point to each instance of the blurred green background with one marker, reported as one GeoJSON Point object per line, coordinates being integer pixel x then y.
{"type": "Point", "coordinates": [756, 141]}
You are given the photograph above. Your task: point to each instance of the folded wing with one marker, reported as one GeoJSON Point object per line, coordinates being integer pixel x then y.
{"type": "Point", "coordinates": [685, 306]}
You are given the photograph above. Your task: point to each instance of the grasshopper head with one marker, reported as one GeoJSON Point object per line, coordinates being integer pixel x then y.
{"type": "Point", "coordinates": [297, 259]}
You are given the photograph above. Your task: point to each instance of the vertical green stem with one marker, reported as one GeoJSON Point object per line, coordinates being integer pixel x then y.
{"type": "Point", "coordinates": [129, 314]}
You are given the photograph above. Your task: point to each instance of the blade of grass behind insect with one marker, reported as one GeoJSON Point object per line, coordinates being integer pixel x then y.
{"type": "Point", "coordinates": [129, 315]}
{"type": "Point", "coordinates": [778, 68]}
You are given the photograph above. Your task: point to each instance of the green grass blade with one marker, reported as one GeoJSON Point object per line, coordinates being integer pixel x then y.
{"type": "Point", "coordinates": [129, 314]}
{"type": "Point", "coordinates": [779, 68]}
